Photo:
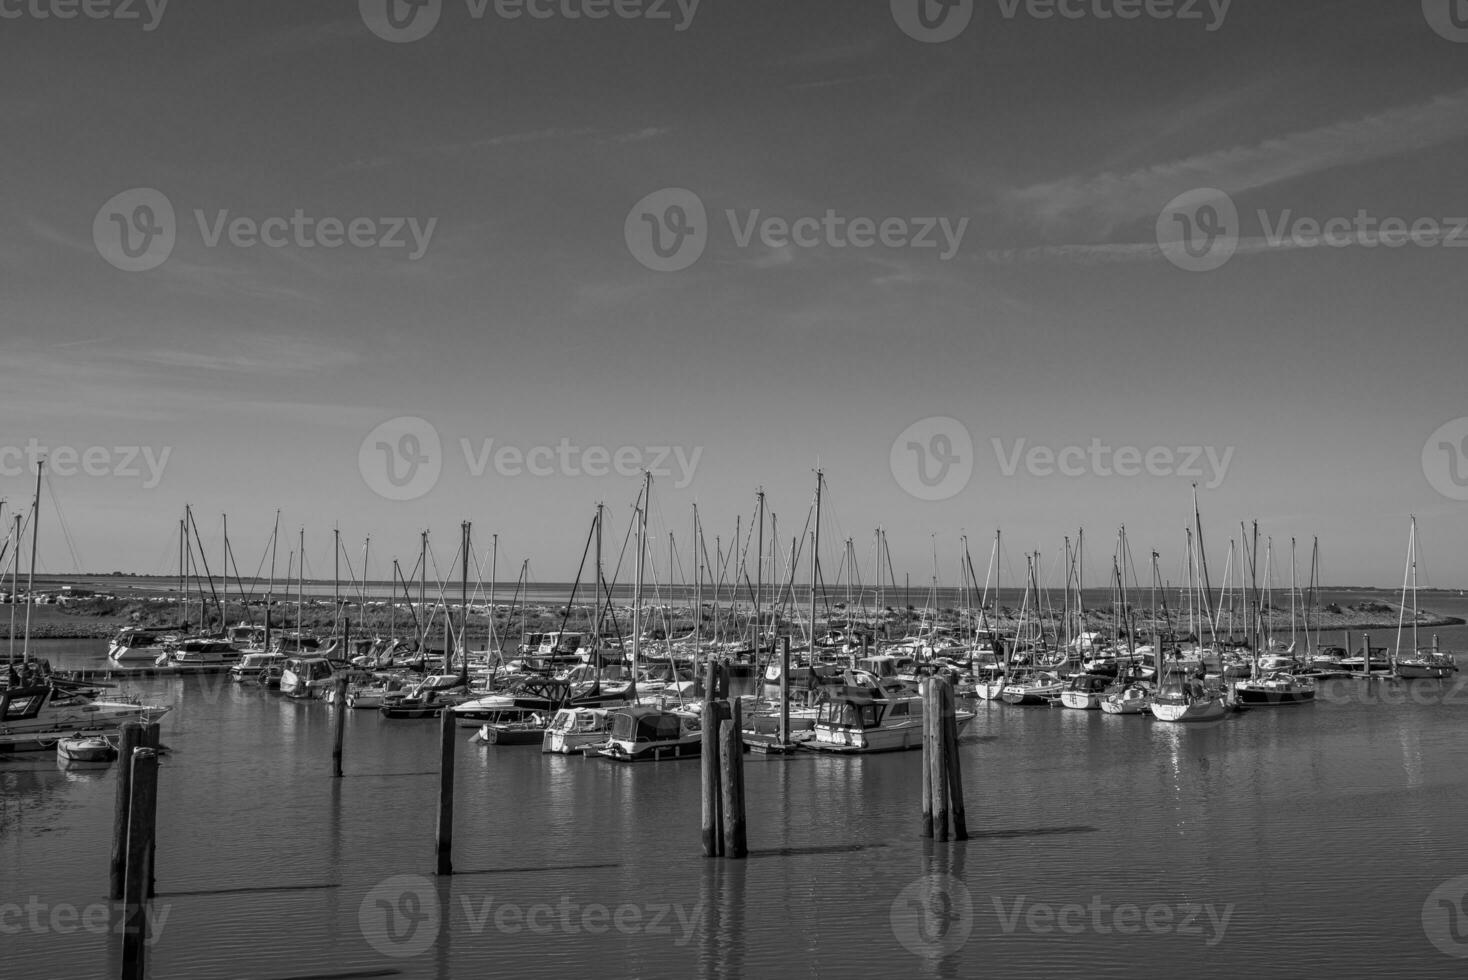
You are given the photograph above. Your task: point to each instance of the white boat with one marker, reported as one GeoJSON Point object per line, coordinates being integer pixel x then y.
{"type": "Point", "coordinates": [1422, 664]}
{"type": "Point", "coordinates": [1131, 698]}
{"type": "Point", "coordinates": [249, 665]}
{"type": "Point", "coordinates": [1427, 664]}
{"type": "Point", "coordinates": [574, 729]}
{"type": "Point", "coordinates": [306, 677]}
{"type": "Point", "coordinates": [200, 651]}
{"type": "Point", "coordinates": [1032, 688]}
{"type": "Point", "coordinates": [1182, 700]}
{"type": "Point", "coordinates": [642, 732]}
{"type": "Point", "coordinates": [1085, 692]}
{"type": "Point", "coordinates": [85, 748]}
{"type": "Point", "coordinates": [33, 718]}
{"type": "Point", "coordinates": [138, 647]}
{"type": "Point", "coordinates": [856, 719]}
{"type": "Point", "coordinates": [374, 692]}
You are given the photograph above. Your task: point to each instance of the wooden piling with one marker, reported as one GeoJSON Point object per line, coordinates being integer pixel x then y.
{"type": "Point", "coordinates": [341, 726]}
{"type": "Point", "coordinates": [955, 769]}
{"type": "Point", "coordinates": [713, 814]}
{"type": "Point", "coordinates": [444, 840]}
{"type": "Point", "coordinates": [153, 739]}
{"type": "Point", "coordinates": [784, 691]}
{"type": "Point", "coordinates": [937, 760]}
{"type": "Point", "coordinates": [924, 686]}
{"type": "Point", "coordinates": [143, 810]}
{"type": "Point", "coordinates": [731, 760]}
{"type": "Point", "coordinates": [130, 738]}
{"type": "Point", "coordinates": [1366, 654]}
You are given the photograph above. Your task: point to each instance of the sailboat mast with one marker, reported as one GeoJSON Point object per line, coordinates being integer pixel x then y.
{"type": "Point", "coordinates": [494, 556]}
{"type": "Point", "coordinates": [1292, 594]}
{"type": "Point", "coordinates": [759, 574]}
{"type": "Point", "coordinates": [815, 561]}
{"type": "Point", "coordinates": [30, 582]}
{"type": "Point", "coordinates": [600, 585]}
{"type": "Point", "coordinates": [463, 638]}
{"type": "Point", "coordinates": [697, 589]}
{"type": "Point", "coordinates": [301, 586]}
{"type": "Point", "coordinates": [224, 574]}
{"type": "Point", "coordinates": [423, 592]}
{"type": "Point", "coordinates": [14, 584]}
{"type": "Point", "coordinates": [336, 579]}
{"type": "Point", "coordinates": [641, 554]}
{"type": "Point", "coordinates": [270, 588]}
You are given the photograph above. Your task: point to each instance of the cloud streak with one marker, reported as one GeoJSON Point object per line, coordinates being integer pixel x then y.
{"type": "Point", "coordinates": [1096, 204]}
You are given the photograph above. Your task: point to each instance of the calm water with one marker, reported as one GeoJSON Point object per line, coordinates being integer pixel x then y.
{"type": "Point", "coordinates": [1312, 836]}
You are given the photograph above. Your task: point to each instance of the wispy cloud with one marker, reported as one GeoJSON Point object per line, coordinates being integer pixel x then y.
{"type": "Point", "coordinates": [1096, 204]}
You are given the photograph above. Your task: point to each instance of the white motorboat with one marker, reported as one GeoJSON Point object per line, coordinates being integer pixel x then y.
{"type": "Point", "coordinates": [863, 718]}
{"type": "Point", "coordinates": [34, 718]}
{"type": "Point", "coordinates": [642, 732]}
{"type": "Point", "coordinates": [575, 729]}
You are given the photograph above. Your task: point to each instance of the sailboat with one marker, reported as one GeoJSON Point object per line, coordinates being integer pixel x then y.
{"type": "Point", "coordinates": [37, 710]}
{"type": "Point", "coordinates": [1180, 696]}
{"type": "Point", "coordinates": [644, 731]}
{"type": "Point", "coordinates": [1274, 687]}
{"type": "Point", "coordinates": [1421, 663]}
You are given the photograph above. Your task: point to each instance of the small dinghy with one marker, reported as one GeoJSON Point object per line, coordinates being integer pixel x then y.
{"type": "Point", "coordinates": [85, 748]}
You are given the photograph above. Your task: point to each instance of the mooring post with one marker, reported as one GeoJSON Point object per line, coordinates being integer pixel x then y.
{"type": "Point", "coordinates": [955, 769]}
{"type": "Point", "coordinates": [731, 746]}
{"type": "Point", "coordinates": [784, 691]}
{"type": "Point", "coordinates": [143, 800]}
{"type": "Point", "coordinates": [938, 767]}
{"type": "Point", "coordinates": [713, 815]}
{"type": "Point", "coordinates": [444, 840]}
{"type": "Point", "coordinates": [130, 738]}
{"type": "Point", "coordinates": [1366, 655]}
{"type": "Point", "coordinates": [925, 687]}
{"type": "Point", "coordinates": [341, 726]}
{"type": "Point", "coordinates": [153, 739]}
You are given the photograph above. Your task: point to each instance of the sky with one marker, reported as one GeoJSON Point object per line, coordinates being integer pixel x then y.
{"type": "Point", "coordinates": [283, 257]}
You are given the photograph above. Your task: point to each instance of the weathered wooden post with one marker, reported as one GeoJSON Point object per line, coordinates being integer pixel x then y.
{"type": "Point", "coordinates": [143, 799]}
{"type": "Point", "coordinates": [1366, 655]}
{"type": "Point", "coordinates": [444, 840]}
{"type": "Point", "coordinates": [713, 815]}
{"type": "Point", "coordinates": [340, 722]}
{"type": "Point", "coordinates": [955, 769]}
{"type": "Point", "coordinates": [731, 759]}
{"type": "Point", "coordinates": [937, 759]}
{"type": "Point", "coordinates": [153, 739]}
{"type": "Point", "coordinates": [924, 686]}
{"type": "Point", "coordinates": [130, 738]}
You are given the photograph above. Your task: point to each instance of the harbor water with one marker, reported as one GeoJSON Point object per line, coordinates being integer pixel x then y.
{"type": "Point", "coordinates": [1326, 839]}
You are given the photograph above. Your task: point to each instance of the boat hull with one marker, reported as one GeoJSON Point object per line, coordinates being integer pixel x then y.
{"type": "Point", "coordinates": [652, 752]}
{"type": "Point", "coordinates": [1189, 712]}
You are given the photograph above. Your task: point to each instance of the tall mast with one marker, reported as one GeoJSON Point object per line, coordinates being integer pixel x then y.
{"type": "Point", "coordinates": [1292, 595]}
{"type": "Point", "coordinates": [30, 583]}
{"type": "Point", "coordinates": [270, 589]}
{"type": "Point", "coordinates": [759, 567]}
{"type": "Point", "coordinates": [1202, 555]}
{"type": "Point", "coordinates": [600, 585]}
{"type": "Point", "coordinates": [494, 557]}
{"type": "Point", "coordinates": [697, 588]}
{"type": "Point", "coordinates": [183, 570]}
{"type": "Point", "coordinates": [301, 586]}
{"type": "Point", "coordinates": [463, 638]}
{"type": "Point", "coordinates": [637, 598]}
{"type": "Point", "coordinates": [224, 574]}
{"type": "Point", "coordinates": [336, 579]}
{"type": "Point", "coordinates": [815, 563]}
{"type": "Point", "coordinates": [423, 593]}
{"type": "Point", "coordinates": [14, 584]}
